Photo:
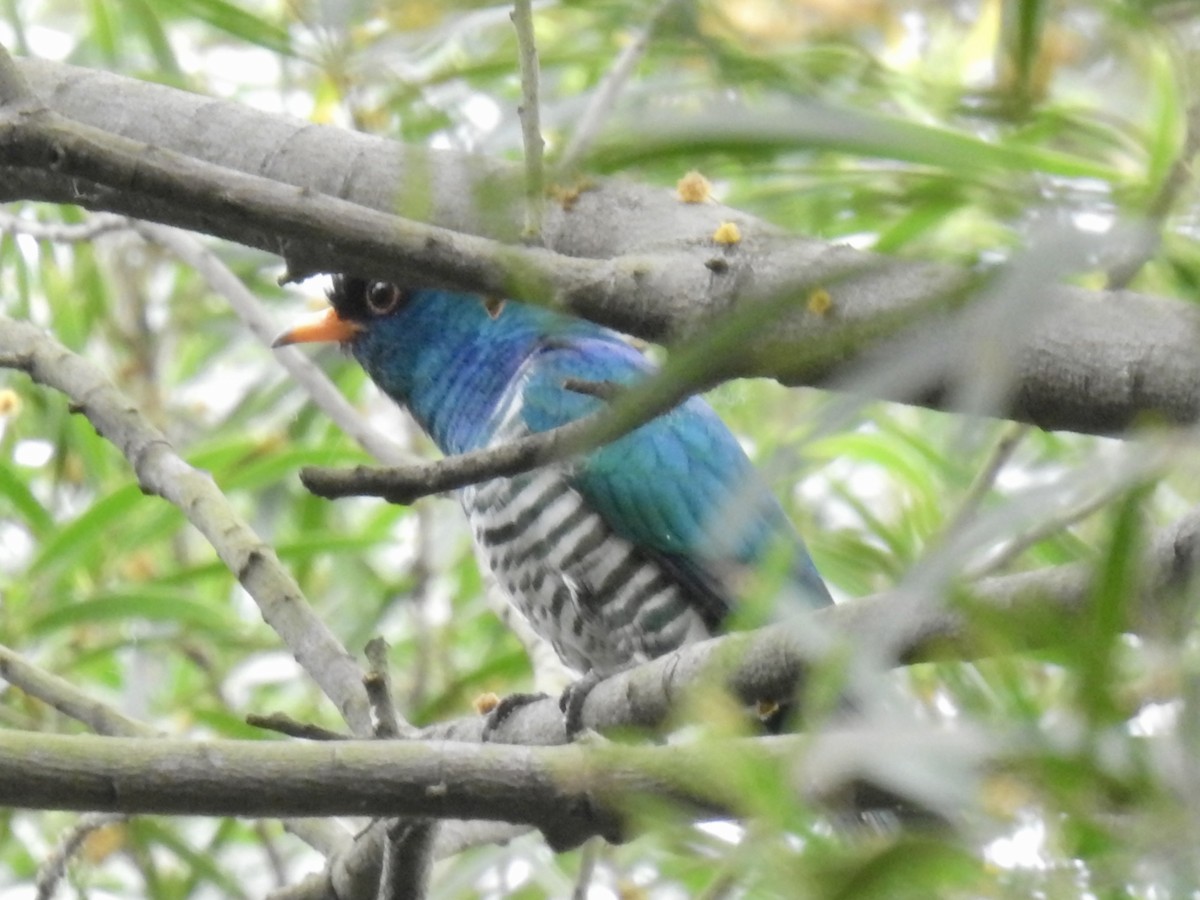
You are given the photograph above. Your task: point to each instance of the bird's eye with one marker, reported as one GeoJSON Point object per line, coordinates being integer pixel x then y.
{"type": "Point", "coordinates": [383, 297]}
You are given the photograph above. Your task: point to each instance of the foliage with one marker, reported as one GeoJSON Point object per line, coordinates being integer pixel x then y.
{"type": "Point", "coordinates": [1009, 115]}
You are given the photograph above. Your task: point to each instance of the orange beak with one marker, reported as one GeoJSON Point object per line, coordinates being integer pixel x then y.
{"type": "Point", "coordinates": [323, 326]}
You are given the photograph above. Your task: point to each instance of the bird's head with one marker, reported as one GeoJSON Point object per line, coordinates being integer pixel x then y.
{"type": "Point", "coordinates": [388, 328]}
{"type": "Point", "coordinates": [354, 304]}
{"type": "Point", "coordinates": [416, 343]}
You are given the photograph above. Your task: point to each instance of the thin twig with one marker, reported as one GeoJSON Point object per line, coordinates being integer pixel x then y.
{"type": "Point", "coordinates": [54, 867]}
{"type": "Point", "coordinates": [603, 390]}
{"type": "Point", "coordinates": [378, 682]}
{"type": "Point", "coordinates": [721, 887]}
{"type": "Point", "coordinates": [1006, 445]}
{"type": "Point", "coordinates": [422, 573]}
{"type": "Point", "coordinates": [62, 232]}
{"type": "Point", "coordinates": [604, 98]}
{"type": "Point", "coordinates": [1175, 183]}
{"type": "Point", "coordinates": [274, 858]}
{"type": "Point", "coordinates": [408, 844]}
{"type": "Point", "coordinates": [587, 868]}
{"type": "Point", "coordinates": [1043, 531]}
{"type": "Point", "coordinates": [68, 699]}
{"type": "Point", "coordinates": [281, 723]}
{"type": "Point", "coordinates": [530, 114]}
{"type": "Point", "coordinates": [636, 406]}
{"type": "Point", "coordinates": [405, 484]}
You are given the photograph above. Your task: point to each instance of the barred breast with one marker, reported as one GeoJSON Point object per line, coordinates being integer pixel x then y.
{"type": "Point", "coordinates": [597, 598]}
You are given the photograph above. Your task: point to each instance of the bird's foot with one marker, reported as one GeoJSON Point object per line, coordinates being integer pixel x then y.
{"type": "Point", "coordinates": [571, 702]}
{"type": "Point", "coordinates": [503, 708]}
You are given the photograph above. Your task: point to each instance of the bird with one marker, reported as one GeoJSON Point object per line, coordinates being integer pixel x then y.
{"type": "Point", "coordinates": [619, 555]}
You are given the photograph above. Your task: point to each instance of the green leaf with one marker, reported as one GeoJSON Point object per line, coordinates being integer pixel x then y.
{"type": "Point", "coordinates": [234, 21]}
{"type": "Point", "coordinates": [145, 18]}
{"type": "Point", "coordinates": [908, 867]}
{"type": "Point", "coordinates": [136, 604]}
{"type": "Point", "coordinates": [1104, 621]}
{"type": "Point", "coordinates": [811, 127]}
{"type": "Point", "coordinates": [89, 532]}
{"type": "Point", "coordinates": [14, 491]}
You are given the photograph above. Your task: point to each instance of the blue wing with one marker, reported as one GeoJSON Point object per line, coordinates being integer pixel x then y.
{"type": "Point", "coordinates": [680, 486]}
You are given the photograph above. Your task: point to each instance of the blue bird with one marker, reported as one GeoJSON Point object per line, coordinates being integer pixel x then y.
{"type": "Point", "coordinates": [617, 556]}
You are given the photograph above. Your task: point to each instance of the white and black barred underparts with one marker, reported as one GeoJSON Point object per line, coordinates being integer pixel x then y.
{"type": "Point", "coordinates": [597, 598]}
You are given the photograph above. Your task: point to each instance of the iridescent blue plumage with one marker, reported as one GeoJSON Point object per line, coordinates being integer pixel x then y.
{"type": "Point", "coordinates": [620, 555]}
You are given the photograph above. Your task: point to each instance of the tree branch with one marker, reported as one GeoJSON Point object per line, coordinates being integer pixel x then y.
{"type": "Point", "coordinates": [67, 699]}
{"type": "Point", "coordinates": [407, 860]}
{"type": "Point", "coordinates": [645, 272]}
{"type": "Point", "coordinates": [1159, 206]}
{"type": "Point", "coordinates": [104, 719]}
{"type": "Point", "coordinates": [405, 484]}
{"type": "Point", "coordinates": [162, 472]}
{"type": "Point", "coordinates": [568, 792]}
{"type": "Point", "coordinates": [389, 724]}
{"type": "Point", "coordinates": [279, 219]}
{"type": "Point", "coordinates": [97, 224]}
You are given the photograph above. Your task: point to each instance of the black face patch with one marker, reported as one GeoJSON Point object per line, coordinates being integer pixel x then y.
{"type": "Point", "coordinates": [349, 297]}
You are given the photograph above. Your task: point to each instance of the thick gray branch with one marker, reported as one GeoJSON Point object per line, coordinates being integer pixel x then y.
{"type": "Point", "coordinates": [630, 256]}
{"type": "Point", "coordinates": [569, 792]}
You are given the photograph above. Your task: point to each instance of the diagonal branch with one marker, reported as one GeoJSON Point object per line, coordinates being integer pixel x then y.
{"type": "Point", "coordinates": [54, 868]}
{"type": "Point", "coordinates": [68, 699]}
{"type": "Point", "coordinates": [83, 232]}
{"type": "Point", "coordinates": [405, 484]}
{"type": "Point", "coordinates": [162, 472]}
